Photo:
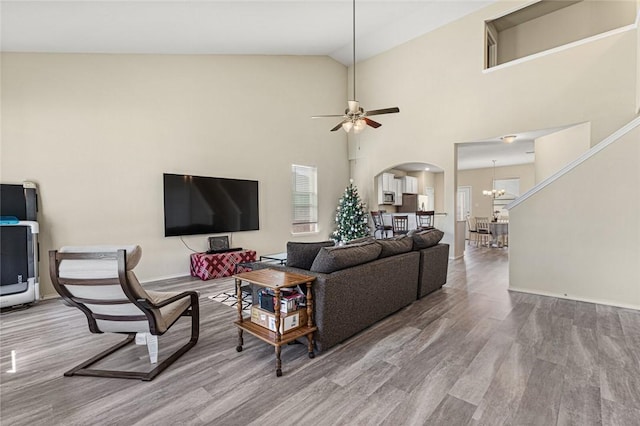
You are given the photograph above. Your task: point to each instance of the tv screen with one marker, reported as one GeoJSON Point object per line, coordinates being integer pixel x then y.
{"type": "Point", "coordinates": [209, 205]}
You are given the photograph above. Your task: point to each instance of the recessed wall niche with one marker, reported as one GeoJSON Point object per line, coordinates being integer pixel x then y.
{"type": "Point", "coordinates": [547, 24]}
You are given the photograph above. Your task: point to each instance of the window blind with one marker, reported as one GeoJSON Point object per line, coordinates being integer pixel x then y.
{"type": "Point", "coordinates": [304, 198]}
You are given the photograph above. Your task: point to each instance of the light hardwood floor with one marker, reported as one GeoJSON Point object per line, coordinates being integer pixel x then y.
{"type": "Point", "coordinates": [472, 353]}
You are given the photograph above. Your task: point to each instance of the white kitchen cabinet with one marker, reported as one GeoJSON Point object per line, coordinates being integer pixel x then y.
{"type": "Point", "coordinates": [386, 183]}
{"type": "Point", "coordinates": [410, 184]}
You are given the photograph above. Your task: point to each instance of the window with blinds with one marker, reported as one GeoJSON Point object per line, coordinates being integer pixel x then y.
{"type": "Point", "coordinates": [304, 198]}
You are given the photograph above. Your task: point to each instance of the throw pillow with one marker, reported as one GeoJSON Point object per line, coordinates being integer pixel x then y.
{"type": "Point", "coordinates": [426, 239]}
{"type": "Point", "coordinates": [331, 259]}
{"type": "Point", "coordinates": [301, 255]}
{"type": "Point", "coordinates": [395, 245]}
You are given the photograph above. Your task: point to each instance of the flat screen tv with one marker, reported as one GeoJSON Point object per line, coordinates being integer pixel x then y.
{"type": "Point", "coordinates": [209, 205]}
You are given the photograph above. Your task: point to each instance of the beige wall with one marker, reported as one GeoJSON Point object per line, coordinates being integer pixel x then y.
{"type": "Point", "coordinates": [444, 97]}
{"type": "Point", "coordinates": [438, 193]}
{"type": "Point", "coordinates": [481, 179]}
{"type": "Point", "coordinates": [558, 149]}
{"type": "Point", "coordinates": [96, 132]}
{"type": "Point", "coordinates": [637, 57]}
{"type": "Point", "coordinates": [587, 248]}
{"type": "Point", "coordinates": [572, 23]}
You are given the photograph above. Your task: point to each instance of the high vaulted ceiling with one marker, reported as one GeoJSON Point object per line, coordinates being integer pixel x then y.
{"type": "Point", "coordinates": [263, 27]}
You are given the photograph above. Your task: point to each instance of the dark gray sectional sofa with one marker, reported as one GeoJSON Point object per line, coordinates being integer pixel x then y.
{"type": "Point", "coordinates": [359, 284]}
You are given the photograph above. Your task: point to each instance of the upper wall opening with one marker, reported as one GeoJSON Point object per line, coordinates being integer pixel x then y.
{"type": "Point", "coordinates": [548, 23]}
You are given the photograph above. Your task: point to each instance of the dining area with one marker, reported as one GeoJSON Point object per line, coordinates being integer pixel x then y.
{"type": "Point", "coordinates": [486, 232]}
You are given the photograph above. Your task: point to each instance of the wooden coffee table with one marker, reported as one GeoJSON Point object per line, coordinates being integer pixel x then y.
{"type": "Point", "coordinates": [275, 280]}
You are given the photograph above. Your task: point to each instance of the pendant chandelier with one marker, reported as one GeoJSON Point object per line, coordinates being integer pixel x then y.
{"type": "Point", "coordinates": [494, 193]}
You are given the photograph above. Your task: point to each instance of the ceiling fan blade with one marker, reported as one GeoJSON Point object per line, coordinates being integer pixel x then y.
{"type": "Point", "coordinates": [383, 111]}
{"type": "Point", "coordinates": [372, 123]}
{"type": "Point", "coordinates": [330, 115]}
{"type": "Point", "coordinates": [339, 126]}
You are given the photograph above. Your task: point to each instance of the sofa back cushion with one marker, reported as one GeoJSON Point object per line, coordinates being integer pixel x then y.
{"type": "Point", "coordinates": [366, 239]}
{"type": "Point", "coordinates": [426, 239]}
{"type": "Point", "coordinates": [331, 259]}
{"type": "Point", "coordinates": [301, 255]}
{"type": "Point", "coordinates": [395, 245]}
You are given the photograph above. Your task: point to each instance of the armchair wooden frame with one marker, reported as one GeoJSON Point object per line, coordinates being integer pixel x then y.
{"type": "Point", "coordinates": [149, 312]}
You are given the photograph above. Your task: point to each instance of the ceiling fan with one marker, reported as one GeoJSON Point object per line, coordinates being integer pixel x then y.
{"type": "Point", "coordinates": [355, 117]}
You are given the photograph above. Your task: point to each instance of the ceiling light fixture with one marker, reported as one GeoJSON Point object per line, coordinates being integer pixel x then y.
{"type": "Point", "coordinates": [508, 138]}
{"type": "Point", "coordinates": [494, 193]}
{"type": "Point", "coordinates": [355, 117]}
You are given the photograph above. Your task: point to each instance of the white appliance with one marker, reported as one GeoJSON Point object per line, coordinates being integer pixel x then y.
{"type": "Point", "coordinates": [423, 203]}
{"type": "Point", "coordinates": [388, 197]}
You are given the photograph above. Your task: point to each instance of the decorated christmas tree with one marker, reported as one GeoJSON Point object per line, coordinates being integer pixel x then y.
{"type": "Point", "coordinates": [351, 216]}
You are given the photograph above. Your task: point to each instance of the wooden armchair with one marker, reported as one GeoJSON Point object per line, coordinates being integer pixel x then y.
{"type": "Point", "coordinates": [99, 280]}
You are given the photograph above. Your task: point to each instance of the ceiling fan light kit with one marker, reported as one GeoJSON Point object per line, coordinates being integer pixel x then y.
{"type": "Point", "coordinates": [359, 125]}
{"type": "Point", "coordinates": [355, 117]}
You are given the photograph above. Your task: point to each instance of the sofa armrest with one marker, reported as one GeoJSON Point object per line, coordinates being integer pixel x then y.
{"type": "Point", "coordinates": [434, 264]}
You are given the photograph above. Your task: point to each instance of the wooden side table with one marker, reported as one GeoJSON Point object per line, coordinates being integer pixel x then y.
{"type": "Point", "coordinates": [275, 280]}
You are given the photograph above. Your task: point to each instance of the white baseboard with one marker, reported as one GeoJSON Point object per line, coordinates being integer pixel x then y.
{"type": "Point", "coordinates": [579, 299]}
{"type": "Point", "coordinates": [165, 277]}
{"type": "Point", "coordinates": [50, 296]}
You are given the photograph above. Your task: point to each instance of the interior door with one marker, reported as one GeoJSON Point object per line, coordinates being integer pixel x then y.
{"type": "Point", "coordinates": [463, 210]}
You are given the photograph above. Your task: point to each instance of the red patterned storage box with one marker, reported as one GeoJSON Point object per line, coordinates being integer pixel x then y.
{"type": "Point", "coordinates": [207, 266]}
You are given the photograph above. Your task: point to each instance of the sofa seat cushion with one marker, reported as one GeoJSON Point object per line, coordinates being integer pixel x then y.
{"type": "Point", "coordinates": [331, 259]}
{"type": "Point", "coordinates": [426, 239]}
{"type": "Point", "coordinates": [395, 245]}
{"type": "Point", "coordinates": [302, 255]}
